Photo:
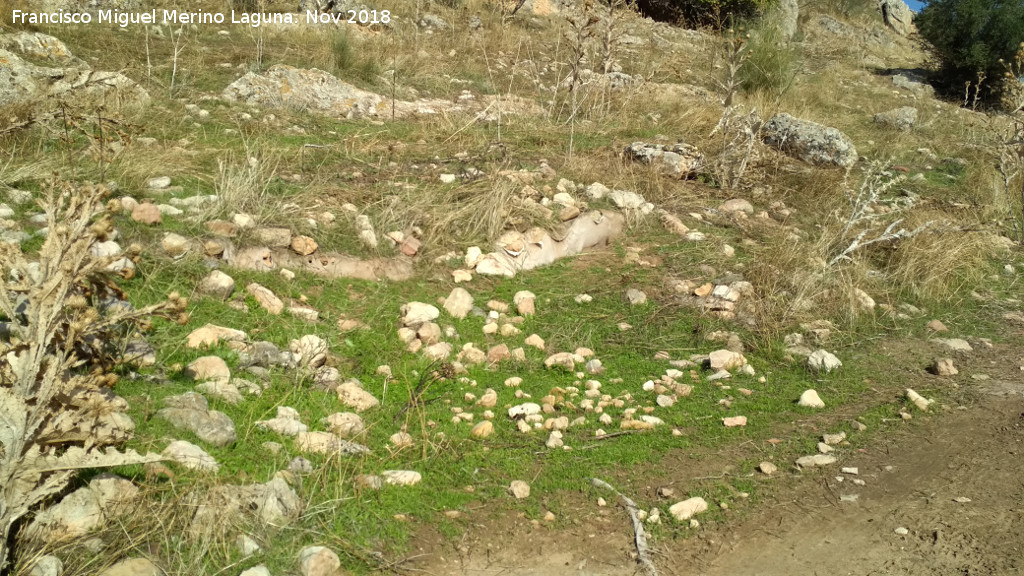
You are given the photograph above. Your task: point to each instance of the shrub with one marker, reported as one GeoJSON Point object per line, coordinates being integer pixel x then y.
{"type": "Point", "coordinates": [972, 36]}
{"type": "Point", "coordinates": [348, 63]}
{"type": "Point", "coordinates": [771, 62]}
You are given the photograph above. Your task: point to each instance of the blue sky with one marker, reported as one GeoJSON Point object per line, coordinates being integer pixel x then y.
{"type": "Point", "coordinates": [915, 5]}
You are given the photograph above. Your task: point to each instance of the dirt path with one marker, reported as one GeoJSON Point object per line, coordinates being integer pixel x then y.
{"type": "Point", "coordinates": [913, 479]}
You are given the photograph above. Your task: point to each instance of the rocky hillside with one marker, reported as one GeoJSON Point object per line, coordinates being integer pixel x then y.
{"type": "Point", "coordinates": [381, 296]}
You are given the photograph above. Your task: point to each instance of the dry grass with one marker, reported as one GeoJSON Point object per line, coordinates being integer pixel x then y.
{"type": "Point", "coordinates": [941, 263]}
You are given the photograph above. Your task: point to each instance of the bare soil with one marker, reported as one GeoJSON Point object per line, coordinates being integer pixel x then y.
{"type": "Point", "coordinates": [915, 478]}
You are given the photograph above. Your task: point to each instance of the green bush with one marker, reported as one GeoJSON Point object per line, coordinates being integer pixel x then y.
{"type": "Point", "coordinates": [697, 13]}
{"type": "Point", "coordinates": [972, 36]}
{"type": "Point", "coordinates": [771, 62]}
{"type": "Point", "coordinates": [348, 63]}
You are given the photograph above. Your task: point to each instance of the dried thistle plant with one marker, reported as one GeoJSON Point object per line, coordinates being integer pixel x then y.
{"type": "Point", "coordinates": [63, 317]}
{"type": "Point", "coordinates": [738, 131]}
{"type": "Point", "coordinates": [870, 204]}
{"type": "Point", "coordinates": [1011, 150]}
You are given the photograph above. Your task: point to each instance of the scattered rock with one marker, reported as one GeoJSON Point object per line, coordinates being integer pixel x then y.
{"type": "Point", "coordinates": [901, 118]}
{"type": "Point", "coordinates": [47, 566]}
{"type": "Point", "coordinates": [687, 509]}
{"type": "Point", "coordinates": [304, 245]}
{"type": "Point", "coordinates": [810, 399]}
{"type": "Point", "coordinates": [133, 567]}
{"type": "Point", "coordinates": [147, 213]}
{"type": "Point", "coordinates": [823, 361]}
{"type": "Point", "coordinates": [734, 421]}
{"type": "Point", "coordinates": [270, 302]}
{"type": "Point", "coordinates": [211, 335]}
{"type": "Point", "coordinates": [937, 326]}
{"type": "Point", "coordinates": [274, 237]}
{"type": "Point", "coordinates": [352, 394]}
{"type": "Point", "coordinates": [217, 284]}
{"type": "Point", "coordinates": [725, 360]}
{"type": "Point", "coordinates": [310, 351]}
{"type": "Point", "coordinates": [519, 489]}
{"type": "Point", "coordinates": [680, 160]}
{"type": "Point", "coordinates": [458, 303]}
{"type": "Point", "coordinates": [563, 360]}
{"type": "Point", "coordinates": [326, 443]}
{"type": "Point", "coordinates": [954, 344]}
{"type": "Point", "coordinates": [483, 429]}
{"type": "Point", "coordinates": [190, 456]}
{"type": "Point", "coordinates": [809, 141]}
{"type": "Point", "coordinates": [943, 367]}
{"type": "Point", "coordinates": [401, 477]}
{"type": "Point", "coordinates": [318, 561]}
{"type": "Point", "coordinates": [191, 412]}
{"type": "Point", "coordinates": [921, 402]}
{"type": "Point", "coordinates": [286, 423]}
{"type": "Point", "coordinates": [524, 301]}
{"type": "Point", "coordinates": [345, 424]}
{"type": "Point", "coordinates": [415, 314]}
{"type": "Point", "coordinates": [208, 368]}
{"type": "Point", "coordinates": [767, 468]}
{"type": "Point", "coordinates": [736, 205]}
{"type": "Point", "coordinates": [635, 297]}
{"type": "Point", "coordinates": [815, 460]}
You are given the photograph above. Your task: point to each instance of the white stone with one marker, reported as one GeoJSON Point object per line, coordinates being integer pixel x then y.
{"type": "Point", "coordinates": [815, 460]}
{"type": "Point", "coordinates": [687, 509]}
{"type": "Point", "coordinates": [823, 361]}
{"type": "Point", "coordinates": [401, 477]}
{"type": "Point", "coordinates": [810, 399]}
{"type": "Point", "coordinates": [519, 489]}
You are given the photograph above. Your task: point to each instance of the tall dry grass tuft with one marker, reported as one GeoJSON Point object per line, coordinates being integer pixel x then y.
{"type": "Point", "coordinates": [63, 319]}
{"type": "Point", "coordinates": [473, 213]}
{"type": "Point", "coordinates": [245, 186]}
{"type": "Point", "coordinates": [940, 263]}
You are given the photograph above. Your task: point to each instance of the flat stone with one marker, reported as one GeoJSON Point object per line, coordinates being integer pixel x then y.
{"type": "Point", "coordinates": [211, 335]}
{"type": "Point", "coordinates": [687, 509]}
{"type": "Point", "coordinates": [401, 477]}
{"type": "Point", "coordinates": [190, 456]}
{"type": "Point", "coordinates": [133, 567]}
{"type": "Point", "coordinates": [270, 302]}
{"type": "Point", "coordinates": [189, 411]}
{"type": "Point", "coordinates": [815, 460]}
{"type": "Point", "coordinates": [954, 344]}
{"type": "Point", "coordinates": [734, 421]}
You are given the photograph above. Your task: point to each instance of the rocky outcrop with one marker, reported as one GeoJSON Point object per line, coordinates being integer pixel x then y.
{"type": "Point", "coordinates": [809, 141]}
{"type": "Point", "coordinates": [22, 81]}
{"type": "Point", "coordinates": [284, 86]}
{"type": "Point", "coordinates": [898, 16]}
{"type": "Point", "coordinates": [537, 248]}
{"type": "Point", "coordinates": [680, 160]}
{"type": "Point", "coordinates": [901, 118]}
